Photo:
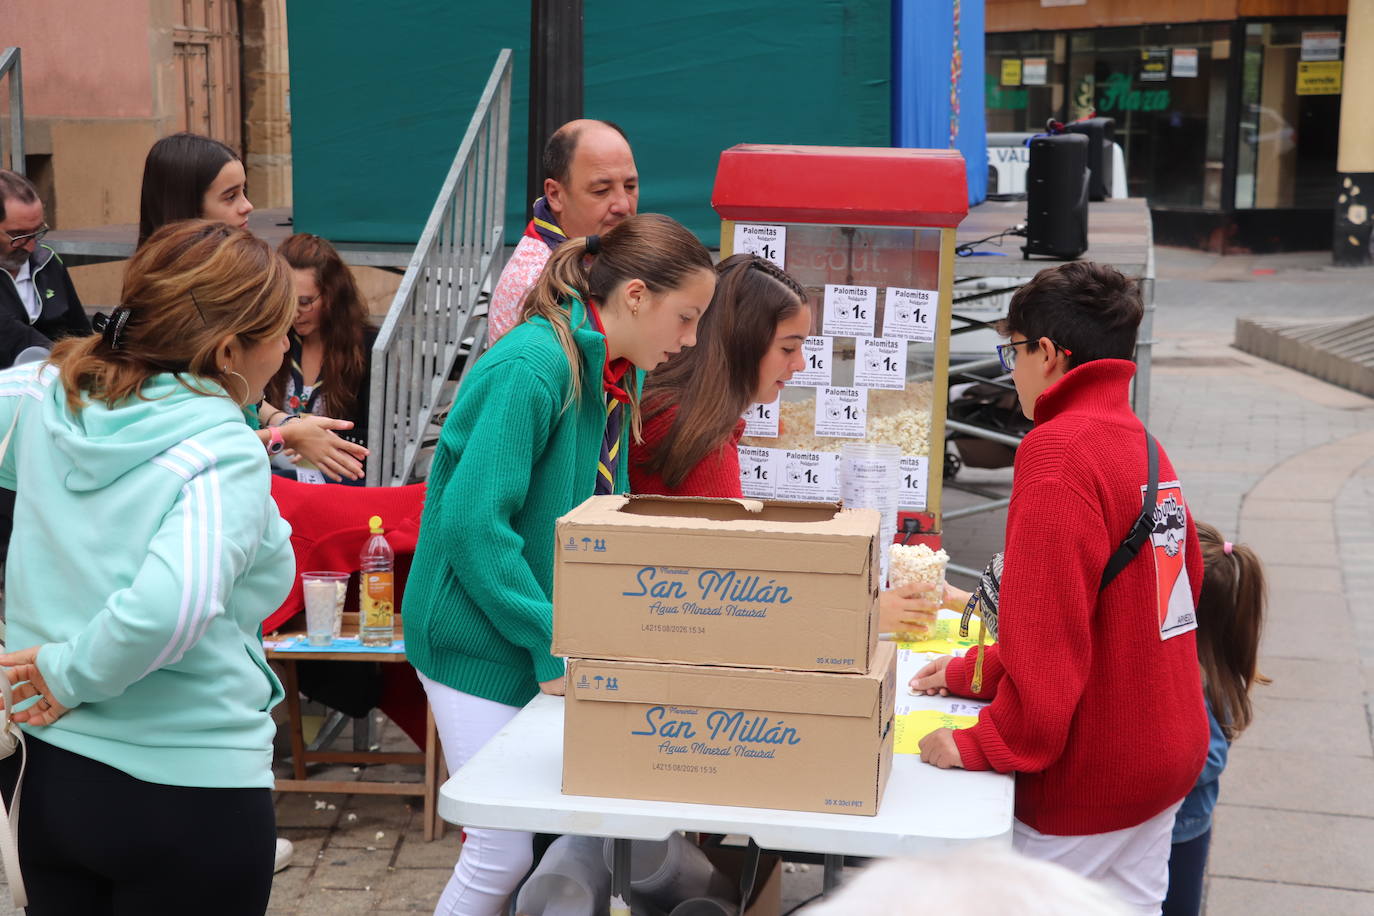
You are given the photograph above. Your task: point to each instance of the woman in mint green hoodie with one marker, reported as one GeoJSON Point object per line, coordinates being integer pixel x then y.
{"type": "Point", "coordinates": [146, 550]}
{"type": "Point", "coordinates": [542, 422]}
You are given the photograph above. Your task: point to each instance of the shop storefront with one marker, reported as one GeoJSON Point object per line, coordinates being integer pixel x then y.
{"type": "Point", "coordinates": [1229, 129]}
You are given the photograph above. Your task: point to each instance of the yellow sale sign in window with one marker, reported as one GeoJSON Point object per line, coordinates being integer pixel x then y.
{"type": "Point", "coordinates": [1011, 72]}
{"type": "Point", "coordinates": [1319, 77]}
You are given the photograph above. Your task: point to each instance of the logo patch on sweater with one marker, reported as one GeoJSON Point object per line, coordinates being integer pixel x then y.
{"type": "Point", "coordinates": [1168, 545]}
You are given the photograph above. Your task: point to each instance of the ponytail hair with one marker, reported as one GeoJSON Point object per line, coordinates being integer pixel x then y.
{"type": "Point", "coordinates": [713, 383]}
{"type": "Point", "coordinates": [1230, 620]}
{"type": "Point", "coordinates": [650, 247]}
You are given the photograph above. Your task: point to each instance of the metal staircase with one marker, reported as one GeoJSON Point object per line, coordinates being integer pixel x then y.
{"type": "Point", "coordinates": [438, 316]}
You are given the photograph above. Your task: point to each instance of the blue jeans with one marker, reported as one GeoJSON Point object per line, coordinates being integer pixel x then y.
{"type": "Point", "coordinates": [1187, 864]}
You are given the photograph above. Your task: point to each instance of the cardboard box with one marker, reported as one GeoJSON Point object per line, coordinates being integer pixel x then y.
{"type": "Point", "coordinates": [752, 583]}
{"type": "Point", "coordinates": [796, 740]}
{"type": "Point", "coordinates": [767, 897]}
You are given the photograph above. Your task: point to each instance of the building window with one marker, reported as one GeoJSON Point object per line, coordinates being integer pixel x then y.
{"type": "Point", "coordinates": [1290, 114]}
{"type": "Point", "coordinates": [1024, 80]}
{"type": "Point", "coordinates": [1166, 88]}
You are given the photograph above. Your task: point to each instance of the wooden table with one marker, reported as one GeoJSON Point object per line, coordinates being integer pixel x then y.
{"type": "Point", "coordinates": [301, 758]}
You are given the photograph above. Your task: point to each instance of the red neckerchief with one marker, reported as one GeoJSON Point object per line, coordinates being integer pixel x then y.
{"type": "Point", "coordinates": [611, 372]}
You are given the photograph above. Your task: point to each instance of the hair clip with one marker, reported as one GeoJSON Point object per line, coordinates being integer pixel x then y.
{"type": "Point", "coordinates": [1226, 547]}
{"type": "Point", "coordinates": [200, 311]}
{"type": "Point", "coordinates": [111, 327]}
{"type": "Point", "coordinates": [593, 244]}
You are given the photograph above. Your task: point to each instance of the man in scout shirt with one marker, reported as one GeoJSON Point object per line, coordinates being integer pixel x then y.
{"type": "Point", "coordinates": [1096, 697]}
{"type": "Point", "coordinates": [590, 184]}
{"type": "Point", "coordinates": [38, 303]}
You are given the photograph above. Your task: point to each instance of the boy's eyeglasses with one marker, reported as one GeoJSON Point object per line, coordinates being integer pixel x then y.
{"type": "Point", "coordinates": [1006, 353]}
{"type": "Point", "coordinates": [18, 241]}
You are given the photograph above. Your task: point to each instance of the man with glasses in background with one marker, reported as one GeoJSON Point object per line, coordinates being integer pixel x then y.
{"type": "Point", "coordinates": [38, 303]}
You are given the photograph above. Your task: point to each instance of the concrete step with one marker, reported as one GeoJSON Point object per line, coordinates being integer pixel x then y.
{"type": "Point", "coordinates": [1337, 350]}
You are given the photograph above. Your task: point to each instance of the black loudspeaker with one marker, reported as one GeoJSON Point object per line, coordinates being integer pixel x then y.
{"type": "Point", "coordinates": [1101, 134]}
{"type": "Point", "coordinates": [1057, 197]}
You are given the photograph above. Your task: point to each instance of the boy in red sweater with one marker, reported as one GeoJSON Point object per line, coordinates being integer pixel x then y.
{"type": "Point", "coordinates": [1096, 695]}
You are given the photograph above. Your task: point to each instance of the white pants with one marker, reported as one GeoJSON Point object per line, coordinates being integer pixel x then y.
{"type": "Point", "coordinates": [1133, 863]}
{"type": "Point", "coordinates": [492, 861]}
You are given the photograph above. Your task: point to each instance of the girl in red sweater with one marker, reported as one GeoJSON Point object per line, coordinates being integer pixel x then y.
{"type": "Point", "coordinates": [748, 345]}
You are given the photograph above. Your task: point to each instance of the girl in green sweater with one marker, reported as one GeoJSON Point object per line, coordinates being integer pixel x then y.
{"type": "Point", "coordinates": [542, 422]}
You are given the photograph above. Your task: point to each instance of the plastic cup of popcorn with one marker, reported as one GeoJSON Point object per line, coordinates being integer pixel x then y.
{"type": "Point", "coordinates": [917, 564]}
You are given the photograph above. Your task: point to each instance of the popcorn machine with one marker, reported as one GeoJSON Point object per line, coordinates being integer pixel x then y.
{"type": "Point", "coordinates": [869, 232]}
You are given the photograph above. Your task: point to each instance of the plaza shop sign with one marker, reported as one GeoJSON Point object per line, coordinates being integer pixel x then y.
{"type": "Point", "coordinates": [1117, 95]}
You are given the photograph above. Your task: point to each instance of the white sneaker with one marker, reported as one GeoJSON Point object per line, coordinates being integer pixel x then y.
{"type": "Point", "coordinates": [285, 850]}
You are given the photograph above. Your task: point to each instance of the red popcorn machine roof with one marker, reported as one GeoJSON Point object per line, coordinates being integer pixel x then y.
{"type": "Point", "coordinates": [841, 185]}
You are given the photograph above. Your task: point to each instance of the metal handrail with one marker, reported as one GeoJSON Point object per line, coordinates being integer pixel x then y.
{"type": "Point", "coordinates": [432, 319]}
{"type": "Point", "coordinates": [10, 67]}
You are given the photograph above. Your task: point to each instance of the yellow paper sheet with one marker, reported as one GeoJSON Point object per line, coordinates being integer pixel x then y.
{"type": "Point", "coordinates": [914, 726]}
{"type": "Point", "coordinates": [946, 639]}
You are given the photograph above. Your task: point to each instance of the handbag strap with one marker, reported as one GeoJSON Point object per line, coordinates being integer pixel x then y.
{"type": "Point", "coordinates": [1144, 525]}
{"type": "Point", "coordinates": [9, 820]}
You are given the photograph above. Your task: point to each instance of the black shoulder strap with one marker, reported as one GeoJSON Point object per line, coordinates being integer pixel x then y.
{"type": "Point", "coordinates": [1139, 534]}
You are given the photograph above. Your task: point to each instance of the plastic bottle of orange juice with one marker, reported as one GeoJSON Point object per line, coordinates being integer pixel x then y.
{"type": "Point", "coordinates": [377, 598]}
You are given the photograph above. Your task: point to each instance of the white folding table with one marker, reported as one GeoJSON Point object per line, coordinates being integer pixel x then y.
{"type": "Point", "coordinates": [515, 783]}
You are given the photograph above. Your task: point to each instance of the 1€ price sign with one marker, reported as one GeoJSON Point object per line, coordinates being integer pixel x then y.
{"type": "Point", "coordinates": [809, 476]}
{"type": "Point", "coordinates": [841, 412]}
{"type": "Point", "coordinates": [880, 362]}
{"type": "Point", "coordinates": [768, 242]}
{"type": "Point", "coordinates": [756, 475]}
{"type": "Point", "coordinates": [911, 492]}
{"type": "Point", "coordinates": [910, 313]}
{"type": "Point", "coordinates": [762, 419]}
{"type": "Point", "coordinates": [850, 310]}
{"type": "Point", "coordinates": [818, 353]}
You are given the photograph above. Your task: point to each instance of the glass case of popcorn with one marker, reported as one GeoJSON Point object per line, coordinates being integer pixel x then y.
{"type": "Point", "coordinates": [870, 234]}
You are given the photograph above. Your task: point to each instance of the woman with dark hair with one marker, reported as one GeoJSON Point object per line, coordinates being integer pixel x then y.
{"type": "Point", "coordinates": [139, 675]}
{"type": "Point", "coordinates": [327, 369]}
{"type": "Point", "coordinates": [749, 345]}
{"type": "Point", "coordinates": [187, 176]}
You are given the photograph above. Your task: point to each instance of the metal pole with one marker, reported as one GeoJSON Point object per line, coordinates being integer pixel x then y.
{"type": "Point", "coordinates": [620, 877]}
{"type": "Point", "coordinates": [555, 79]}
{"type": "Point", "coordinates": [16, 111]}
{"type": "Point", "coordinates": [834, 871]}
